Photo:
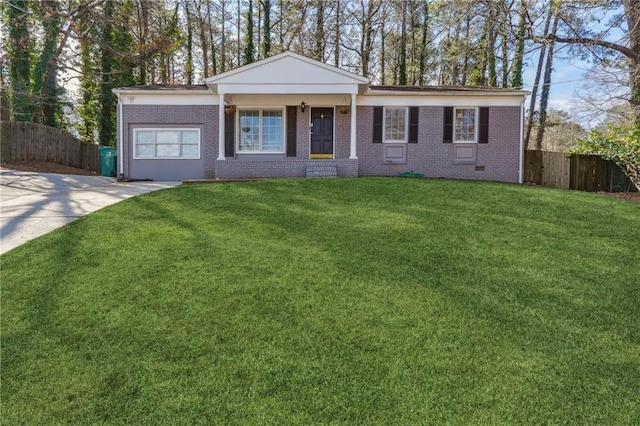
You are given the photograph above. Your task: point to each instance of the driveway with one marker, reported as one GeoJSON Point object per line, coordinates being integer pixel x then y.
{"type": "Point", "coordinates": [34, 204]}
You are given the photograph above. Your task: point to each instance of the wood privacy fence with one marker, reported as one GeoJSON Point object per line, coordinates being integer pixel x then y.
{"type": "Point", "coordinates": [572, 171]}
{"type": "Point", "coordinates": [25, 141]}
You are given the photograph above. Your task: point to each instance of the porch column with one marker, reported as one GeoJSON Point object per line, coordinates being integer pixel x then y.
{"type": "Point", "coordinates": [221, 126]}
{"type": "Point", "coordinates": [352, 155]}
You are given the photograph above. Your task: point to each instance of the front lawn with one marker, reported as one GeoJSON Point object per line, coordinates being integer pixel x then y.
{"type": "Point", "coordinates": [345, 301]}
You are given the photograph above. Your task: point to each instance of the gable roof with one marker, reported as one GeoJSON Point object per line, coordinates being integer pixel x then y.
{"type": "Point", "coordinates": [287, 70]}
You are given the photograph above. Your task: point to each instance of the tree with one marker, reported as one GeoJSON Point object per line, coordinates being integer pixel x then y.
{"type": "Point", "coordinates": [189, 63]}
{"type": "Point", "coordinates": [266, 29]}
{"type": "Point", "coordinates": [582, 36]}
{"type": "Point", "coordinates": [561, 131]}
{"type": "Point", "coordinates": [546, 85]}
{"type": "Point", "coordinates": [249, 49]}
{"type": "Point", "coordinates": [319, 32]}
{"type": "Point", "coordinates": [534, 91]}
{"type": "Point", "coordinates": [44, 88]}
{"type": "Point", "coordinates": [402, 61]}
{"type": "Point", "coordinates": [19, 52]}
{"type": "Point", "coordinates": [517, 70]}
{"type": "Point", "coordinates": [88, 106]}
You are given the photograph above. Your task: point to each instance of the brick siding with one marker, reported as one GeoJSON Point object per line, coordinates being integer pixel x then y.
{"type": "Point", "coordinates": [204, 117]}
{"type": "Point", "coordinates": [431, 156]}
{"type": "Point", "coordinates": [499, 158]}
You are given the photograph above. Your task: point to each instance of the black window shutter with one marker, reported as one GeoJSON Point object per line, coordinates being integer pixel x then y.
{"type": "Point", "coordinates": [448, 125]}
{"type": "Point", "coordinates": [229, 135]}
{"type": "Point", "coordinates": [483, 135]}
{"type": "Point", "coordinates": [377, 124]}
{"type": "Point", "coordinates": [413, 124]}
{"type": "Point", "coordinates": [292, 123]}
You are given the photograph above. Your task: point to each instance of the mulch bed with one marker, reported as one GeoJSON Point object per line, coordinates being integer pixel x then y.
{"type": "Point", "coordinates": [46, 167]}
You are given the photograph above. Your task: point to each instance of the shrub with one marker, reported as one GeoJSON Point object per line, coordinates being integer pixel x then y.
{"type": "Point", "coordinates": [618, 143]}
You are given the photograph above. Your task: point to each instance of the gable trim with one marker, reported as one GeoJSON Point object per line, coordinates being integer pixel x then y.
{"type": "Point", "coordinates": [216, 79]}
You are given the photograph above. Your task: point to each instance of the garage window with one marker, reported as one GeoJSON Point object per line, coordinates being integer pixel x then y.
{"type": "Point", "coordinates": [166, 143]}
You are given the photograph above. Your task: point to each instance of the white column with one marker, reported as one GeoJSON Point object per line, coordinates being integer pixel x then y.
{"type": "Point", "coordinates": [352, 155]}
{"type": "Point", "coordinates": [221, 126]}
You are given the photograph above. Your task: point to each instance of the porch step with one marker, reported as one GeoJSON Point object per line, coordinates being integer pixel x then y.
{"type": "Point", "coordinates": [321, 169]}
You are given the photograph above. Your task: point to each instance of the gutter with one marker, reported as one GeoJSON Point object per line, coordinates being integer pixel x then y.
{"type": "Point", "coordinates": [163, 91]}
{"type": "Point", "coordinates": [521, 153]}
{"type": "Point", "coordinates": [120, 141]}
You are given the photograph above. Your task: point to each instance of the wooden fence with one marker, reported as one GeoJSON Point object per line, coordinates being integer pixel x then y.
{"type": "Point", "coordinates": [25, 141]}
{"type": "Point", "coordinates": [572, 171]}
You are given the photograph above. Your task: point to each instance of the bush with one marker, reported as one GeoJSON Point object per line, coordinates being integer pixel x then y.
{"type": "Point", "coordinates": [620, 144]}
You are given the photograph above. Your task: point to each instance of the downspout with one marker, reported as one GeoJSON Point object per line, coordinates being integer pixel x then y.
{"type": "Point", "coordinates": [521, 154]}
{"type": "Point", "coordinates": [120, 140]}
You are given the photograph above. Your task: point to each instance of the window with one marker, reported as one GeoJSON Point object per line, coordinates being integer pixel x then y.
{"type": "Point", "coordinates": [465, 125]}
{"type": "Point", "coordinates": [166, 143]}
{"type": "Point", "coordinates": [395, 124]}
{"type": "Point", "coordinates": [261, 131]}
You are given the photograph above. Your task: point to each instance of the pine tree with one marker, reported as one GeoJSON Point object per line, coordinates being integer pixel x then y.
{"type": "Point", "coordinates": [249, 49]}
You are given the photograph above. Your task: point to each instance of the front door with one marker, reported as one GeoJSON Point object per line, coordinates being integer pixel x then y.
{"type": "Point", "coordinates": [321, 132]}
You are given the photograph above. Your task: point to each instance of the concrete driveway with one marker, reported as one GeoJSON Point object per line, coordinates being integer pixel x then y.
{"type": "Point", "coordinates": [34, 204]}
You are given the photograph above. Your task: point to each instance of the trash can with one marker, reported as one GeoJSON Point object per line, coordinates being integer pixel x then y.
{"type": "Point", "coordinates": [108, 161]}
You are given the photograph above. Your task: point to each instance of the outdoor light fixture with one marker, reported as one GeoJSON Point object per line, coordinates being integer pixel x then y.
{"type": "Point", "coordinates": [302, 106]}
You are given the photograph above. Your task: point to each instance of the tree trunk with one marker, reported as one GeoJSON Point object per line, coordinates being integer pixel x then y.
{"type": "Point", "coordinates": [491, 45]}
{"type": "Point", "coordinates": [546, 85]}
{"type": "Point", "coordinates": [319, 49]}
{"type": "Point", "coordinates": [336, 49]}
{"type": "Point", "coordinates": [266, 29]}
{"type": "Point", "coordinates": [516, 77]}
{"type": "Point", "coordinates": [402, 62]}
{"type": "Point", "coordinates": [424, 50]}
{"type": "Point", "coordinates": [19, 57]}
{"type": "Point", "coordinates": [383, 53]}
{"type": "Point", "coordinates": [204, 40]}
{"type": "Point", "coordinates": [632, 12]}
{"type": "Point", "coordinates": [189, 63]}
{"type": "Point", "coordinates": [44, 88]}
{"type": "Point", "coordinates": [249, 47]}
{"type": "Point", "coordinates": [534, 90]}
{"type": "Point", "coordinates": [106, 131]}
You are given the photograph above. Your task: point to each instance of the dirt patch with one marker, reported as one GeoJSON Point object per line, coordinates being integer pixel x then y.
{"type": "Point", "coordinates": [46, 167]}
{"type": "Point", "coordinates": [629, 196]}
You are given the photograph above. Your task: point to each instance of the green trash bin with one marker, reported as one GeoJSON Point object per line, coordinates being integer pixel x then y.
{"type": "Point", "coordinates": [108, 161]}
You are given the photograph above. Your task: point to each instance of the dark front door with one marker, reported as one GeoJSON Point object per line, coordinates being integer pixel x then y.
{"type": "Point", "coordinates": [321, 132]}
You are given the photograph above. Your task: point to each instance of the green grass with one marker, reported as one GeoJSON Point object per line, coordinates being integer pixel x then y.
{"type": "Point", "coordinates": [350, 301]}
